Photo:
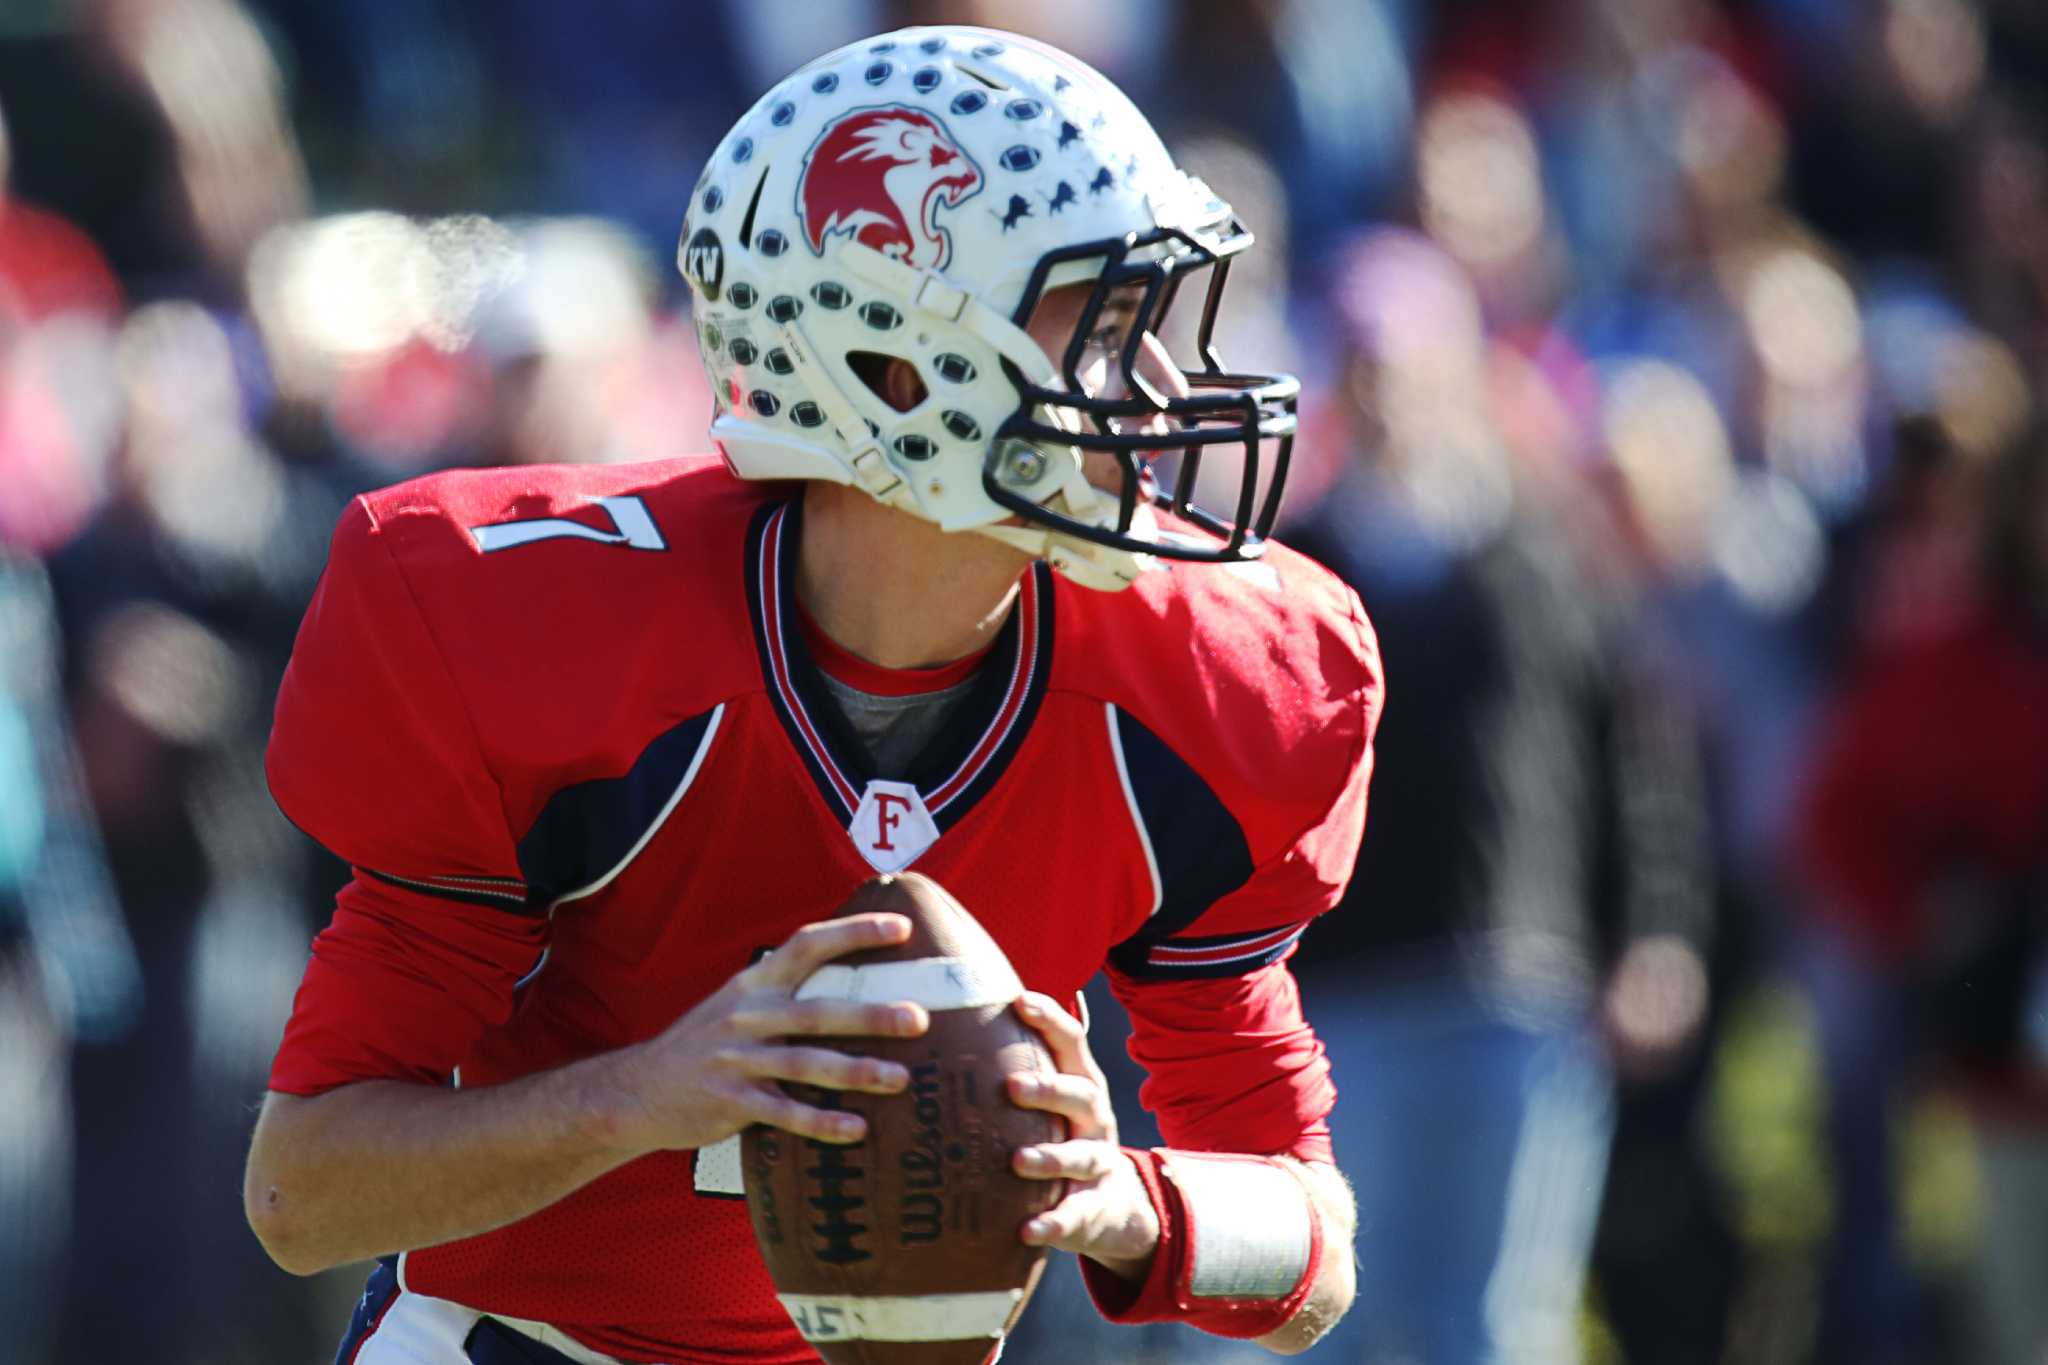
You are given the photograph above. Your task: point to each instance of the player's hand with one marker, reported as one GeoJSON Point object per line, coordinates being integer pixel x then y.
{"type": "Point", "coordinates": [714, 1071]}
{"type": "Point", "coordinates": [1106, 1214]}
{"type": "Point", "coordinates": [1654, 1007]}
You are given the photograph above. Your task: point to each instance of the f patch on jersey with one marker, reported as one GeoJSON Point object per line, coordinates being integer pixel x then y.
{"type": "Point", "coordinates": [892, 827]}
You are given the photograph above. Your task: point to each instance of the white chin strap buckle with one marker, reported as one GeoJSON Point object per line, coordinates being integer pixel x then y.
{"type": "Point", "coordinates": [1102, 568]}
{"type": "Point", "coordinates": [875, 474]}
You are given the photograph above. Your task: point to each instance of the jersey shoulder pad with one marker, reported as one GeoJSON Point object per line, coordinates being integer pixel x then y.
{"type": "Point", "coordinates": [560, 515]}
{"type": "Point", "coordinates": [481, 639]}
{"type": "Point", "coordinates": [564, 575]}
{"type": "Point", "coordinates": [1241, 702]}
{"type": "Point", "coordinates": [1263, 678]}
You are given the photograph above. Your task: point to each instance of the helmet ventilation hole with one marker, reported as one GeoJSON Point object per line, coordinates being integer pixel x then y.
{"type": "Point", "coordinates": [880, 316]}
{"type": "Point", "coordinates": [883, 373]}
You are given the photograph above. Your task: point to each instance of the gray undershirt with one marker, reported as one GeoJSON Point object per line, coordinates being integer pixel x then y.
{"type": "Point", "coordinates": [895, 730]}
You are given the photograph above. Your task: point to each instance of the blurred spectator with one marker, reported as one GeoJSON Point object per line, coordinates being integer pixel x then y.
{"type": "Point", "coordinates": [157, 125]}
{"type": "Point", "coordinates": [1905, 568]}
{"type": "Point", "coordinates": [47, 266]}
{"type": "Point", "coordinates": [1924, 840]}
{"type": "Point", "coordinates": [67, 969]}
{"type": "Point", "coordinates": [1905, 575]}
{"type": "Point", "coordinates": [58, 304]}
{"type": "Point", "coordinates": [1530, 905]}
{"type": "Point", "coordinates": [1667, 1258]}
{"type": "Point", "coordinates": [35, 1157]}
{"type": "Point", "coordinates": [178, 604]}
{"type": "Point", "coordinates": [87, 144]}
{"type": "Point", "coordinates": [206, 67]}
{"type": "Point", "coordinates": [1882, 96]}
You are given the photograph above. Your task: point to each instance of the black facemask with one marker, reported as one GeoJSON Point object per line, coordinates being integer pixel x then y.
{"type": "Point", "coordinates": [1223, 408]}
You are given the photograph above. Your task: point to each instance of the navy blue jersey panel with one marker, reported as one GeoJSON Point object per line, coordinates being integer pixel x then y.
{"type": "Point", "coordinates": [1198, 844]}
{"type": "Point", "coordinates": [586, 830]}
{"type": "Point", "coordinates": [491, 1342]}
{"type": "Point", "coordinates": [370, 1309]}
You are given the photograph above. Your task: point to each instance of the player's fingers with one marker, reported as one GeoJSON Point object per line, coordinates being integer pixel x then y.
{"type": "Point", "coordinates": [1080, 1100]}
{"type": "Point", "coordinates": [812, 946]}
{"type": "Point", "coordinates": [779, 1016]}
{"type": "Point", "coordinates": [1066, 1224]}
{"type": "Point", "coordinates": [823, 1067]}
{"type": "Point", "coordinates": [1084, 1160]}
{"type": "Point", "coordinates": [1062, 1032]}
{"type": "Point", "coordinates": [768, 1104]}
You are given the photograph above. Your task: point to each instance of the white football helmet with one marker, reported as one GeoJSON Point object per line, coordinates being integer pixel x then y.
{"type": "Point", "coordinates": [911, 197]}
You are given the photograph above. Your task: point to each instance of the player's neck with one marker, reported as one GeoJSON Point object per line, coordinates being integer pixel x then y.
{"type": "Point", "coordinates": [895, 590]}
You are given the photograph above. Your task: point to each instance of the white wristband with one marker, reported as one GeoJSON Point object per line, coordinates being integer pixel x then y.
{"type": "Point", "coordinates": [1250, 1226]}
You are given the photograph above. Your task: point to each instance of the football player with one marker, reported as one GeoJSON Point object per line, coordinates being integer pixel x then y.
{"type": "Point", "coordinates": [595, 739]}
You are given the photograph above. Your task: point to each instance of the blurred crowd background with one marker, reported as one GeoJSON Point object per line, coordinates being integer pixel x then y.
{"type": "Point", "coordinates": [1674, 369]}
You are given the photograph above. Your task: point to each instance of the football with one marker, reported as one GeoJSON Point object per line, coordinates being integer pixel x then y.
{"type": "Point", "coordinates": [903, 1249]}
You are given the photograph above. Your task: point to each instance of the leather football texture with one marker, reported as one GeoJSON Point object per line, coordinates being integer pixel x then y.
{"type": "Point", "coordinates": [903, 1249]}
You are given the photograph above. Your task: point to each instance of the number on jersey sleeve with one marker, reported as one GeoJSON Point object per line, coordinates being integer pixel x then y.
{"type": "Point", "coordinates": [632, 526]}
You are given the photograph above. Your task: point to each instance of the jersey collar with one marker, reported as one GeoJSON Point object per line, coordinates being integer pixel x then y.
{"type": "Point", "coordinates": [966, 758]}
{"type": "Point", "coordinates": [843, 666]}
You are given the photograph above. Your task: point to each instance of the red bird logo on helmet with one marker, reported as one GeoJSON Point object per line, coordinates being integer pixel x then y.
{"type": "Point", "coordinates": [881, 176]}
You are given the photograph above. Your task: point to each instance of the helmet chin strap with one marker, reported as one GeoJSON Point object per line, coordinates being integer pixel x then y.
{"type": "Point", "coordinates": [868, 466]}
{"type": "Point", "coordinates": [1101, 567]}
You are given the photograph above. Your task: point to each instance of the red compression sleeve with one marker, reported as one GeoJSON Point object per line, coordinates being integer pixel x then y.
{"type": "Point", "coordinates": [1231, 1065]}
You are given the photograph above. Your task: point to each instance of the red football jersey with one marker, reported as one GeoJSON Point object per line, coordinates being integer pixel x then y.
{"type": "Point", "coordinates": [564, 724]}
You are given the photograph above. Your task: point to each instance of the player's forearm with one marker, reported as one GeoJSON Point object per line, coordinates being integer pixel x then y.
{"type": "Point", "coordinates": [383, 1166]}
{"type": "Point", "coordinates": [1337, 1275]}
